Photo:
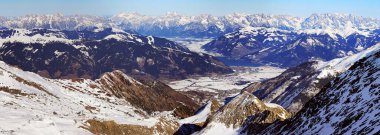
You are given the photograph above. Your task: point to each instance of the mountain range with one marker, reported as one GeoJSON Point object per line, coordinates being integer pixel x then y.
{"type": "Point", "coordinates": [279, 40]}
{"type": "Point", "coordinates": [175, 25]}
{"type": "Point", "coordinates": [89, 54]}
{"type": "Point", "coordinates": [284, 48]}
{"type": "Point", "coordinates": [83, 74]}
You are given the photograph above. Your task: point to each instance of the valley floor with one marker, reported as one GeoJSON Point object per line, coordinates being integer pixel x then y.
{"type": "Point", "coordinates": [194, 44]}
{"type": "Point", "coordinates": [226, 85]}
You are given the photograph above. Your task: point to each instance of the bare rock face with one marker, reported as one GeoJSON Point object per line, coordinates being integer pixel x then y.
{"type": "Point", "coordinates": [150, 96]}
{"type": "Point", "coordinates": [163, 127]}
{"type": "Point", "coordinates": [245, 110]}
{"type": "Point", "coordinates": [349, 105]}
{"type": "Point", "coordinates": [215, 105]}
{"type": "Point", "coordinates": [236, 112]}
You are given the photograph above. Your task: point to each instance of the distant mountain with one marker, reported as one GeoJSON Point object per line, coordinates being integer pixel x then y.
{"type": "Point", "coordinates": [349, 105]}
{"type": "Point", "coordinates": [175, 25]}
{"type": "Point", "coordinates": [55, 21]}
{"type": "Point", "coordinates": [339, 21]}
{"type": "Point", "coordinates": [284, 48]}
{"type": "Point", "coordinates": [88, 54]}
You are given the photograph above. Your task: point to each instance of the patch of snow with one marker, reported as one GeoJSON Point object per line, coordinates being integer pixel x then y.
{"type": "Point", "coordinates": [57, 53]}
{"type": "Point", "coordinates": [118, 37]}
{"type": "Point", "coordinates": [199, 117]}
{"type": "Point", "coordinates": [215, 128]}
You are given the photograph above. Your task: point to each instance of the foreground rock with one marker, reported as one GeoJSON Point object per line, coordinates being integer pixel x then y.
{"type": "Point", "coordinates": [241, 113]}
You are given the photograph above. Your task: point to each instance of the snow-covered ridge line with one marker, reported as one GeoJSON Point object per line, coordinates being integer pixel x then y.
{"type": "Point", "coordinates": [339, 65]}
{"type": "Point", "coordinates": [194, 25]}
{"type": "Point", "coordinates": [21, 35]}
{"type": "Point", "coordinates": [72, 104]}
{"type": "Point", "coordinates": [32, 104]}
{"type": "Point", "coordinates": [43, 36]}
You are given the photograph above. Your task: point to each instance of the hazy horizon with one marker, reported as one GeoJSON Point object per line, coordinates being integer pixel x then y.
{"type": "Point", "coordinates": [170, 12]}
{"type": "Point", "coordinates": [299, 8]}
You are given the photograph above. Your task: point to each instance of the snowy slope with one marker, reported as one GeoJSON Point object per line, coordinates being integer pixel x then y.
{"type": "Point", "coordinates": [348, 106]}
{"type": "Point", "coordinates": [295, 86]}
{"type": "Point", "coordinates": [31, 104]}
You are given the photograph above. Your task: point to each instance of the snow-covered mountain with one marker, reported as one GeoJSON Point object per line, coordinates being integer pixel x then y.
{"type": "Point", "coordinates": [349, 105]}
{"type": "Point", "coordinates": [273, 46]}
{"type": "Point", "coordinates": [339, 21]}
{"type": "Point", "coordinates": [176, 25]}
{"type": "Point", "coordinates": [173, 24]}
{"type": "Point", "coordinates": [296, 86]}
{"type": "Point", "coordinates": [88, 54]}
{"type": "Point", "coordinates": [31, 104]}
{"type": "Point", "coordinates": [55, 21]}
{"type": "Point", "coordinates": [93, 75]}
{"type": "Point", "coordinates": [247, 114]}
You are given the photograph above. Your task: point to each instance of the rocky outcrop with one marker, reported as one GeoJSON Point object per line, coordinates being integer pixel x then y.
{"type": "Point", "coordinates": [243, 106]}
{"type": "Point", "coordinates": [244, 110]}
{"type": "Point", "coordinates": [162, 127]}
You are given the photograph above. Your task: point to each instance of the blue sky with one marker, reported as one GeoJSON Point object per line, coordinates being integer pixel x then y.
{"type": "Point", "coordinates": [368, 8]}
